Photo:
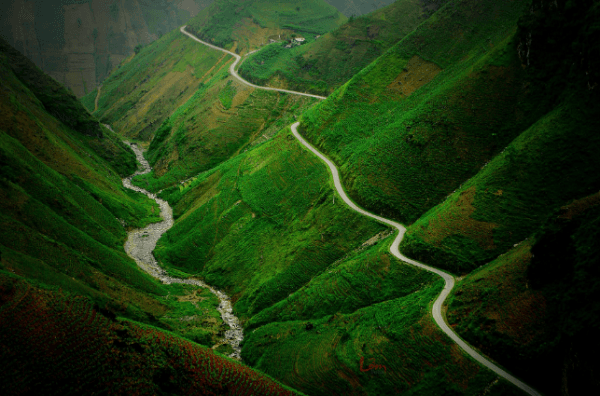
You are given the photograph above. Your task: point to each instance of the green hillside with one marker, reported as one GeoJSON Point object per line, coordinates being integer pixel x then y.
{"type": "Point", "coordinates": [253, 22]}
{"type": "Point", "coordinates": [77, 315]}
{"type": "Point", "coordinates": [472, 121]}
{"type": "Point", "coordinates": [272, 195]}
{"type": "Point", "coordinates": [61, 194]}
{"type": "Point", "coordinates": [427, 115]}
{"type": "Point", "coordinates": [533, 306]}
{"type": "Point", "coordinates": [539, 171]}
{"type": "Point", "coordinates": [65, 213]}
{"type": "Point", "coordinates": [328, 295]}
{"type": "Point", "coordinates": [327, 62]}
{"type": "Point", "coordinates": [55, 344]}
{"type": "Point", "coordinates": [178, 94]}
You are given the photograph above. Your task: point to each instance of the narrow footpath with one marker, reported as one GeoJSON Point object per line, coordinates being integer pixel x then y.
{"type": "Point", "coordinates": [437, 313]}
{"type": "Point", "coordinates": [140, 245]}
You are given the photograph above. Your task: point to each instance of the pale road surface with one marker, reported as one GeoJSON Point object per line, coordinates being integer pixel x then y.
{"type": "Point", "coordinates": [449, 279]}
{"type": "Point", "coordinates": [237, 76]}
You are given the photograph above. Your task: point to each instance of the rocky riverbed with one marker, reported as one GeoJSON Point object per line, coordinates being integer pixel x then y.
{"type": "Point", "coordinates": [140, 246]}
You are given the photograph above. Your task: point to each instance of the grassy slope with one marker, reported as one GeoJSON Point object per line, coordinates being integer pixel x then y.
{"type": "Point", "coordinates": [143, 92]}
{"type": "Point", "coordinates": [424, 117]}
{"type": "Point", "coordinates": [385, 348]}
{"type": "Point", "coordinates": [221, 119]}
{"type": "Point", "coordinates": [321, 300]}
{"type": "Point", "coordinates": [254, 21]}
{"type": "Point", "coordinates": [325, 63]}
{"type": "Point", "coordinates": [53, 343]}
{"type": "Point", "coordinates": [63, 206]}
{"type": "Point", "coordinates": [179, 92]}
{"type": "Point", "coordinates": [228, 220]}
{"type": "Point", "coordinates": [549, 164]}
{"type": "Point", "coordinates": [228, 217]}
{"type": "Point", "coordinates": [532, 308]}
{"type": "Point", "coordinates": [515, 193]}
{"type": "Point", "coordinates": [445, 112]}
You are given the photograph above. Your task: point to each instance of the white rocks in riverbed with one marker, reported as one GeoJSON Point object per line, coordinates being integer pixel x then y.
{"type": "Point", "coordinates": [141, 243]}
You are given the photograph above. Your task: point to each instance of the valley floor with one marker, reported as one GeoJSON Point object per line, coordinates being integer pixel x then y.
{"type": "Point", "coordinates": [437, 309]}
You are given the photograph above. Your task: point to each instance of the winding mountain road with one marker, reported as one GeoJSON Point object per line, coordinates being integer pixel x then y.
{"type": "Point", "coordinates": [235, 74]}
{"type": "Point", "coordinates": [437, 313]}
{"type": "Point", "coordinates": [438, 316]}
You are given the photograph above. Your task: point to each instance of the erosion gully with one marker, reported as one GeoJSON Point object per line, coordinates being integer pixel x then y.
{"type": "Point", "coordinates": [140, 246]}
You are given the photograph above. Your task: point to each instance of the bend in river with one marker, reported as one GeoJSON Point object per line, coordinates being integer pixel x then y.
{"type": "Point", "coordinates": [141, 243]}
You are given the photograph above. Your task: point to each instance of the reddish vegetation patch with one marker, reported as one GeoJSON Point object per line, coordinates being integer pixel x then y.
{"type": "Point", "coordinates": [56, 344]}
{"type": "Point", "coordinates": [467, 369]}
{"type": "Point", "coordinates": [372, 366]}
{"type": "Point", "coordinates": [523, 312]}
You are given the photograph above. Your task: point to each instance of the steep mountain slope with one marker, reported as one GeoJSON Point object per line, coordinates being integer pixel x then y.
{"type": "Point", "coordinates": [541, 170]}
{"type": "Point", "coordinates": [56, 344]}
{"type": "Point", "coordinates": [555, 141]}
{"type": "Point", "coordinates": [478, 125]}
{"type": "Point", "coordinates": [424, 117]}
{"type": "Point", "coordinates": [65, 212]}
{"type": "Point", "coordinates": [80, 42]}
{"type": "Point", "coordinates": [352, 8]}
{"type": "Point", "coordinates": [64, 275]}
{"type": "Point", "coordinates": [253, 22]}
{"type": "Point", "coordinates": [534, 306]}
{"type": "Point", "coordinates": [179, 93]}
{"type": "Point", "coordinates": [228, 217]}
{"type": "Point", "coordinates": [60, 193]}
{"type": "Point", "coordinates": [327, 62]}
{"type": "Point", "coordinates": [328, 295]}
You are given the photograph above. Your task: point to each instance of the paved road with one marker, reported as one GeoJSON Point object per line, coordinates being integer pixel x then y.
{"type": "Point", "coordinates": [234, 73]}
{"type": "Point", "coordinates": [449, 279]}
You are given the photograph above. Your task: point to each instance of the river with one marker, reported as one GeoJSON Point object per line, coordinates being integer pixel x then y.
{"type": "Point", "coordinates": [140, 246]}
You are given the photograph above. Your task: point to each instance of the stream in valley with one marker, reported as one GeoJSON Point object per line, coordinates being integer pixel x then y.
{"type": "Point", "coordinates": [140, 246]}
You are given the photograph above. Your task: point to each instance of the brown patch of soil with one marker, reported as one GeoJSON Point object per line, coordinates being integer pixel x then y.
{"type": "Point", "coordinates": [417, 73]}
{"type": "Point", "coordinates": [457, 220]}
